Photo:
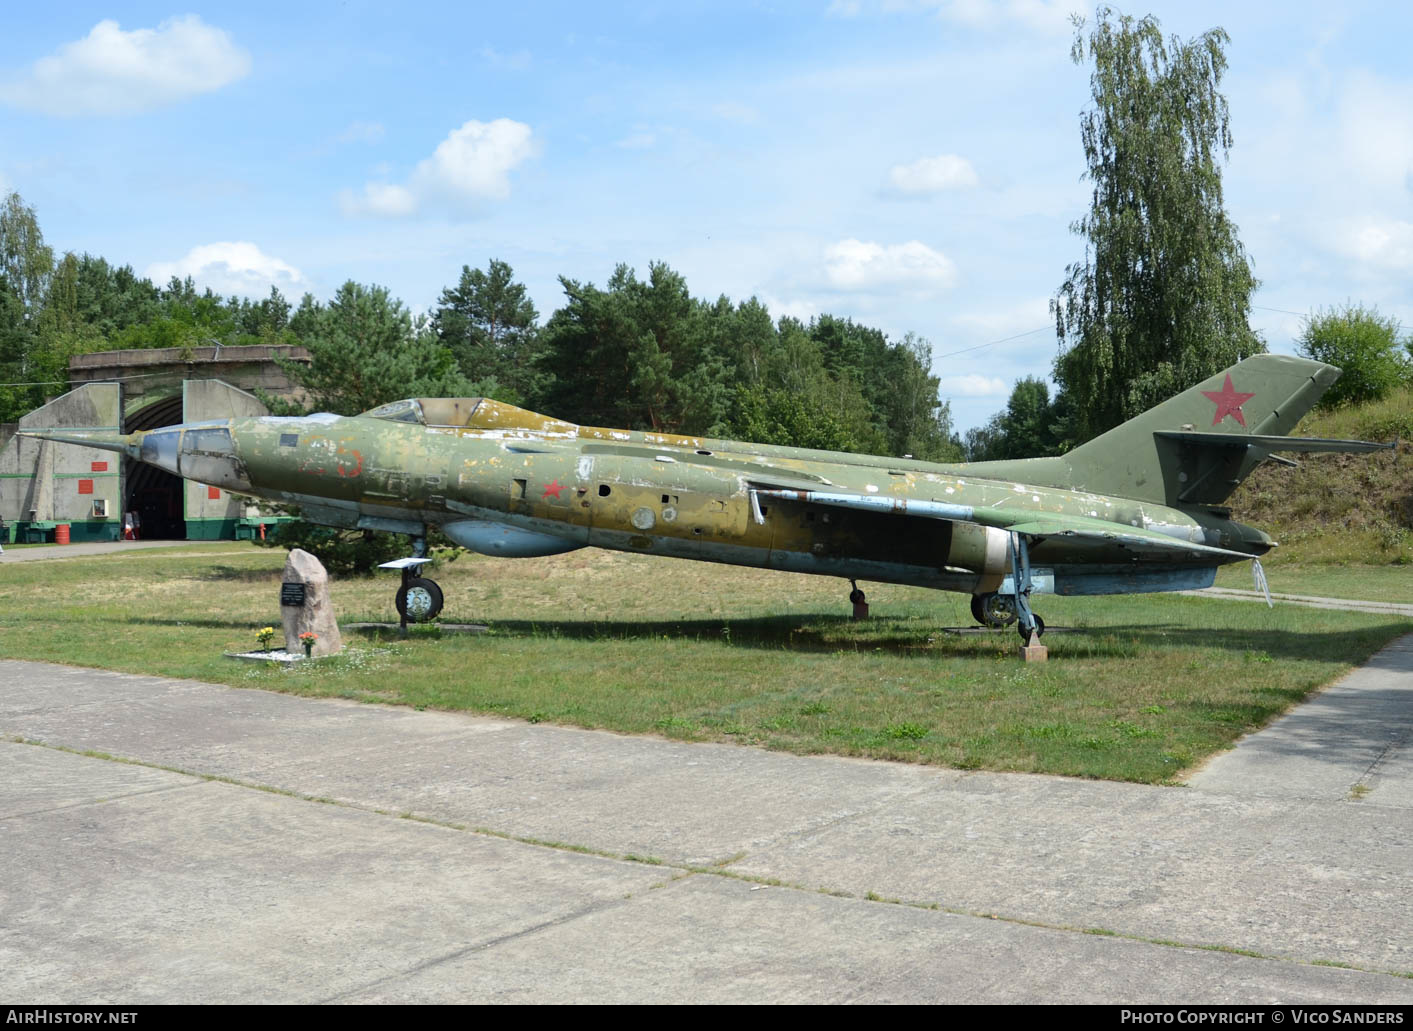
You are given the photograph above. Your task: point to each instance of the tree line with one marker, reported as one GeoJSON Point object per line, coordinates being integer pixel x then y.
{"type": "Point", "coordinates": [637, 353]}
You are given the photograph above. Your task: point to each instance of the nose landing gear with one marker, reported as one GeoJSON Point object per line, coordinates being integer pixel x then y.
{"type": "Point", "coordinates": [419, 599]}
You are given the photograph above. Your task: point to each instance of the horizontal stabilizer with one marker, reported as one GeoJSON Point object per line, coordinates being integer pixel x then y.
{"type": "Point", "coordinates": [1308, 445]}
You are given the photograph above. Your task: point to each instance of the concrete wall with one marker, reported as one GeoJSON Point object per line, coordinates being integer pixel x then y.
{"type": "Point", "coordinates": [151, 372]}
{"type": "Point", "coordinates": [211, 513]}
{"type": "Point", "coordinates": [43, 482]}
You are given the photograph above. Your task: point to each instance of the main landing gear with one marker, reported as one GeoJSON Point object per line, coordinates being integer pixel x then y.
{"type": "Point", "coordinates": [998, 610]}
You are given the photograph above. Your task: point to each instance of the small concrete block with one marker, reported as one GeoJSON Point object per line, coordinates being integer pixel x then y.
{"type": "Point", "coordinates": [1034, 653]}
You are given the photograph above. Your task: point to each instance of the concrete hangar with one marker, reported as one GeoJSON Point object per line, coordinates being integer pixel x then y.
{"type": "Point", "coordinates": [46, 486]}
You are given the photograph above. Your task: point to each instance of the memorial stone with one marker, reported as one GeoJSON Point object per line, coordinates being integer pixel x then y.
{"type": "Point", "coordinates": [316, 613]}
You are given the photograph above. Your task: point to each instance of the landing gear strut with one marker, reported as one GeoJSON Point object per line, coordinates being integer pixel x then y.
{"type": "Point", "coordinates": [996, 610]}
{"type": "Point", "coordinates": [859, 601]}
{"type": "Point", "coordinates": [1029, 625]}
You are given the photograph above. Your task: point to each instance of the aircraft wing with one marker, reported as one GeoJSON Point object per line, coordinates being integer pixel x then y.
{"type": "Point", "coordinates": [1139, 540]}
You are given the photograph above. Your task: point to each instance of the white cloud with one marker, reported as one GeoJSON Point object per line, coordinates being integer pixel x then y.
{"type": "Point", "coordinates": [473, 164]}
{"type": "Point", "coordinates": [973, 385]}
{"type": "Point", "coordinates": [475, 160]}
{"type": "Point", "coordinates": [928, 176]}
{"type": "Point", "coordinates": [111, 72]}
{"type": "Point", "coordinates": [384, 199]}
{"type": "Point", "coordinates": [856, 265]}
{"type": "Point", "coordinates": [232, 267]}
{"type": "Point", "coordinates": [1384, 244]}
{"type": "Point", "coordinates": [800, 309]}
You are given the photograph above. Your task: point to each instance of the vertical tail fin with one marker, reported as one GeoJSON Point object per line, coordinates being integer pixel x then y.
{"type": "Point", "coordinates": [1263, 396]}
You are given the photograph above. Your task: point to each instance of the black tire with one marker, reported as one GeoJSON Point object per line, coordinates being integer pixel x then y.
{"type": "Point", "coordinates": [421, 600]}
{"type": "Point", "coordinates": [1039, 628]}
{"type": "Point", "coordinates": [996, 610]}
{"type": "Point", "coordinates": [977, 613]}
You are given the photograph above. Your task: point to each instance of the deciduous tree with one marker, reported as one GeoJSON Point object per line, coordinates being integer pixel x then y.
{"type": "Point", "coordinates": [1161, 299]}
{"type": "Point", "coordinates": [1364, 344]}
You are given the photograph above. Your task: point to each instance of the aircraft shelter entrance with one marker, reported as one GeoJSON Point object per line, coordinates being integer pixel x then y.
{"type": "Point", "coordinates": [152, 497]}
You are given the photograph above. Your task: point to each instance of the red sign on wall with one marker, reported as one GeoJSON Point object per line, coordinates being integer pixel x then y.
{"type": "Point", "coordinates": [98, 467]}
{"type": "Point", "coordinates": [213, 493]}
{"type": "Point", "coordinates": [85, 486]}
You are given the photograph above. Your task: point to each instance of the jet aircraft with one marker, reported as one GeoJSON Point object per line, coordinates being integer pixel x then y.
{"type": "Point", "coordinates": [1137, 509]}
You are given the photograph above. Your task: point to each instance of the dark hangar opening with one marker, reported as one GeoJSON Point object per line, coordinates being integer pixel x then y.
{"type": "Point", "coordinates": [153, 494]}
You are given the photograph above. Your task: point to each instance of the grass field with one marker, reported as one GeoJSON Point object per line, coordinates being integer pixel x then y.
{"type": "Point", "coordinates": [1368, 583]}
{"type": "Point", "coordinates": [1141, 689]}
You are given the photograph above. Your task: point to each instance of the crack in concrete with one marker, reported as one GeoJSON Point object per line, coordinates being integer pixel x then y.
{"type": "Point", "coordinates": [491, 943]}
{"type": "Point", "coordinates": [101, 801]}
{"type": "Point", "coordinates": [684, 872]}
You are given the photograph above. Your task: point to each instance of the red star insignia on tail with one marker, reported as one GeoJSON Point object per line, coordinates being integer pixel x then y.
{"type": "Point", "coordinates": [552, 490]}
{"type": "Point", "coordinates": [1229, 401]}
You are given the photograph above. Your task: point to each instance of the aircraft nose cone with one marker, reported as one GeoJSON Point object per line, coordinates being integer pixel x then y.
{"type": "Point", "coordinates": [126, 444]}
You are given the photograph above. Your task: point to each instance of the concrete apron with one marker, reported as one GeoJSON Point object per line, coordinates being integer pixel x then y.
{"type": "Point", "coordinates": [729, 874]}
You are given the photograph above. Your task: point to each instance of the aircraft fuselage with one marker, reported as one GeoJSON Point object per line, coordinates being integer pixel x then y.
{"type": "Point", "coordinates": [519, 494]}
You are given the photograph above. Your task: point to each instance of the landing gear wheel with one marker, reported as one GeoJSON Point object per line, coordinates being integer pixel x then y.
{"type": "Point", "coordinates": [1039, 629]}
{"type": "Point", "coordinates": [994, 610]}
{"type": "Point", "coordinates": [419, 600]}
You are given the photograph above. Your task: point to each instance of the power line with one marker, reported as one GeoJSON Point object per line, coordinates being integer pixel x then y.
{"type": "Point", "coordinates": [83, 383]}
{"type": "Point", "coordinates": [991, 343]}
{"type": "Point", "coordinates": [1301, 314]}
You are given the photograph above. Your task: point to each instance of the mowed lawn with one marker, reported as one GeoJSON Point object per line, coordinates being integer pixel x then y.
{"type": "Point", "coordinates": [1137, 688]}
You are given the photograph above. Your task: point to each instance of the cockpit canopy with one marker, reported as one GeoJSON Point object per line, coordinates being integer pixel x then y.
{"type": "Point", "coordinates": [409, 409]}
{"type": "Point", "coordinates": [478, 413]}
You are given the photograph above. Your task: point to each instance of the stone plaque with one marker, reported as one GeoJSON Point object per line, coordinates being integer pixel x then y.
{"type": "Point", "coordinates": [292, 594]}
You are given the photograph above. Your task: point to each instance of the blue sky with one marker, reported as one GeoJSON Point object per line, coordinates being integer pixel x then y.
{"type": "Point", "coordinates": [913, 164]}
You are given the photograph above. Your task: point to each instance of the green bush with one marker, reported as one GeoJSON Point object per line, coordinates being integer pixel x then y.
{"type": "Point", "coordinates": [1365, 345]}
{"type": "Point", "coordinates": [354, 552]}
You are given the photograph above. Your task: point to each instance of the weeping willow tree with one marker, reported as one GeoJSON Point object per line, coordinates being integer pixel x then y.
{"type": "Point", "coordinates": [1161, 299]}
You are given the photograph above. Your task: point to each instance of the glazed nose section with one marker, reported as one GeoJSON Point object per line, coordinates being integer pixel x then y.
{"type": "Point", "coordinates": [208, 456]}
{"type": "Point", "coordinates": [161, 448]}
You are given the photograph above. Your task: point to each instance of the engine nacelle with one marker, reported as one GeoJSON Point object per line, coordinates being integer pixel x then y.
{"type": "Point", "coordinates": [983, 549]}
{"type": "Point", "coordinates": [506, 541]}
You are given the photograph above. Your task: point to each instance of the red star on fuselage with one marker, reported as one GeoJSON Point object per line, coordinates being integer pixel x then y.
{"type": "Point", "coordinates": [552, 490]}
{"type": "Point", "coordinates": [1229, 401]}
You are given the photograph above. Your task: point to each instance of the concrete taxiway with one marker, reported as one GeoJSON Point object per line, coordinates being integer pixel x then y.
{"type": "Point", "coordinates": [174, 841]}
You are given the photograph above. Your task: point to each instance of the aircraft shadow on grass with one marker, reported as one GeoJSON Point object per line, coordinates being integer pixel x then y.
{"type": "Point", "coordinates": [826, 634]}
